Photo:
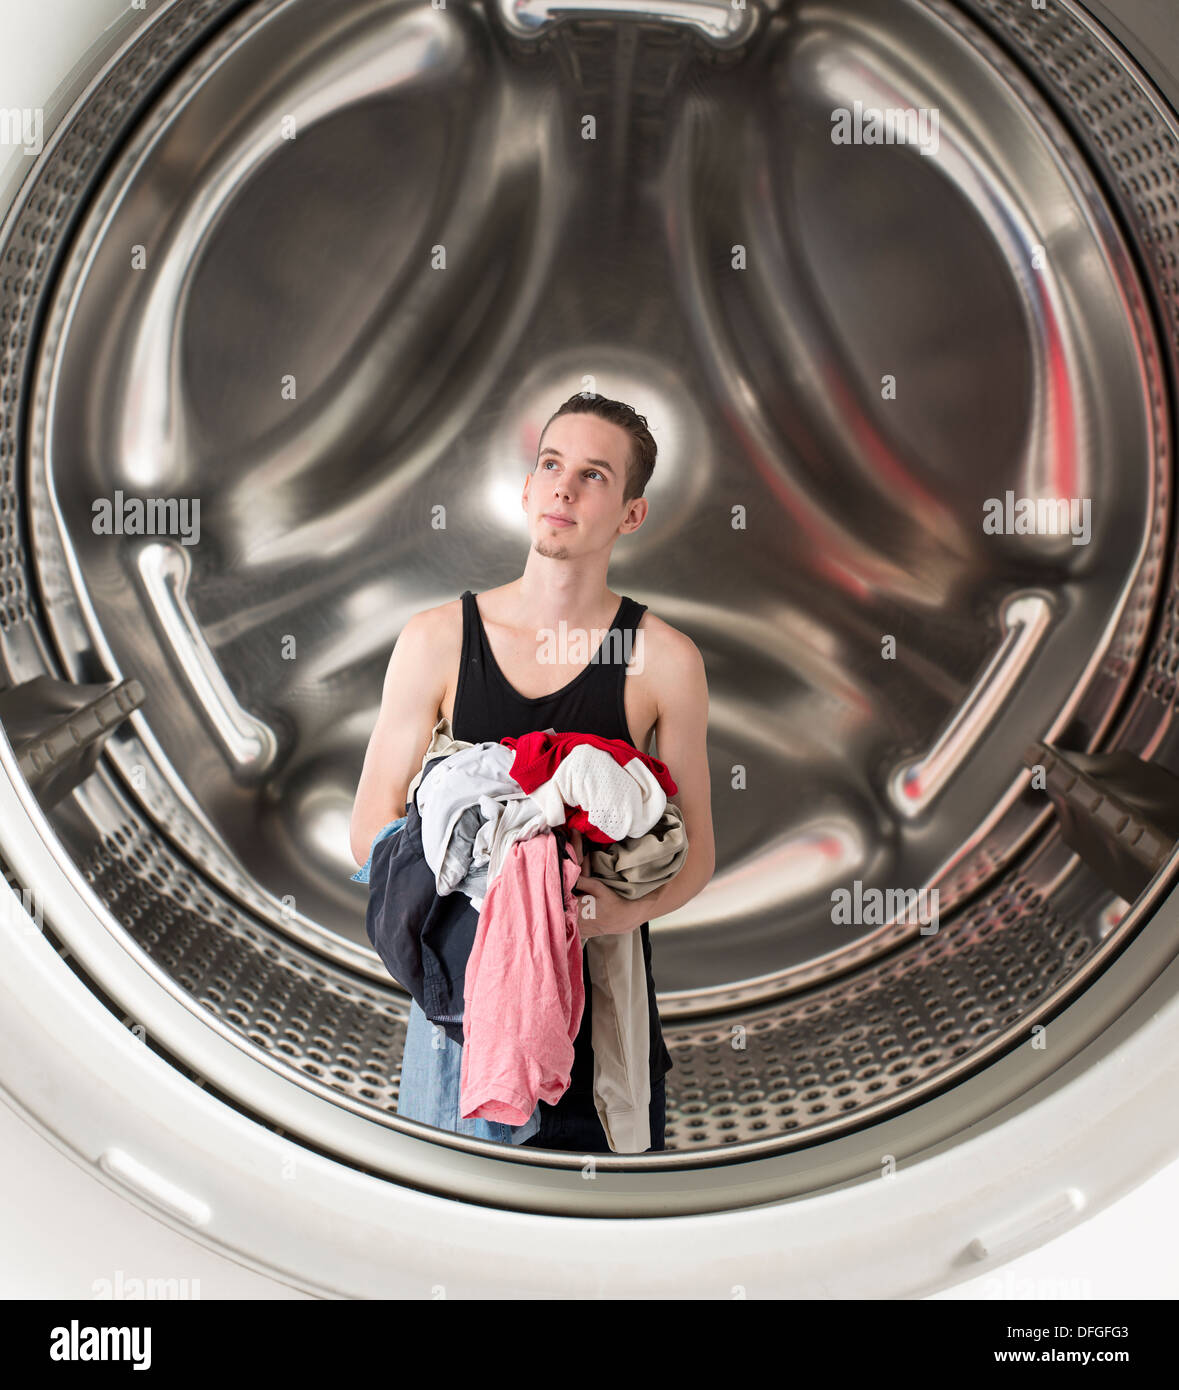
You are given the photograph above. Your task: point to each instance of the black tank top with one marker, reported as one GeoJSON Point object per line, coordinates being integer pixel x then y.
{"type": "Point", "coordinates": [487, 709]}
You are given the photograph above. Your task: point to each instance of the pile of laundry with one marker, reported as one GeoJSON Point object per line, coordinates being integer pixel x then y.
{"type": "Point", "coordinates": [471, 909]}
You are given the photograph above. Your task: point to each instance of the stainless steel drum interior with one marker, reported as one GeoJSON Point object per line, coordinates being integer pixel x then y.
{"type": "Point", "coordinates": [177, 258]}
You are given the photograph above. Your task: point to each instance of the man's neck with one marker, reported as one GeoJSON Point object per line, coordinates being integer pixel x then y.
{"type": "Point", "coordinates": [554, 591]}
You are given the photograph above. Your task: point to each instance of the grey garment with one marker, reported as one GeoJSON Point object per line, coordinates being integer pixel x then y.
{"type": "Point", "coordinates": [456, 866]}
{"type": "Point", "coordinates": [474, 884]}
{"type": "Point", "coordinates": [474, 859]}
{"type": "Point", "coordinates": [621, 1039]}
{"type": "Point", "coordinates": [636, 867]}
{"type": "Point", "coordinates": [505, 822]}
{"type": "Point", "coordinates": [463, 870]}
{"type": "Point", "coordinates": [442, 740]}
{"type": "Point", "coordinates": [453, 789]}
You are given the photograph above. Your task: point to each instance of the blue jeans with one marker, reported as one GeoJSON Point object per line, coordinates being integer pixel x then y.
{"type": "Point", "coordinates": [573, 1125]}
{"type": "Point", "coordinates": [431, 1079]}
{"type": "Point", "coordinates": [361, 875]}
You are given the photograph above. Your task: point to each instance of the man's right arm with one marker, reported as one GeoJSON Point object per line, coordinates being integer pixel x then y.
{"type": "Point", "coordinates": [410, 704]}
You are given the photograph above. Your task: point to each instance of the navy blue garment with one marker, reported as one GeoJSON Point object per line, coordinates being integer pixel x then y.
{"type": "Point", "coordinates": [424, 938]}
{"type": "Point", "coordinates": [573, 1124]}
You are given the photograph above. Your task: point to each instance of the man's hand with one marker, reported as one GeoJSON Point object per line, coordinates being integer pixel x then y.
{"type": "Point", "coordinates": [601, 912]}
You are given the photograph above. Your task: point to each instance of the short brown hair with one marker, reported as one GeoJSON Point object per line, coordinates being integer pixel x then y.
{"type": "Point", "coordinates": [641, 464]}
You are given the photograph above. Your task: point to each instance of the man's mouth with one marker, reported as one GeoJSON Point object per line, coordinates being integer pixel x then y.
{"type": "Point", "coordinates": [555, 520]}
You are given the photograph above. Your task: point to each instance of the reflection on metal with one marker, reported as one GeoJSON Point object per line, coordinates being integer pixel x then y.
{"type": "Point", "coordinates": [57, 729]}
{"type": "Point", "coordinates": [861, 516]}
{"type": "Point", "coordinates": [720, 21]}
{"type": "Point", "coordinates": [406, 51]}
{"type": "Point", "coordinates": [720, 250]}
{"type": "Point", "coordinates": [1024, 621]}
{"type": "Point", "coordinates": [1120, 814]}
{"type": "Point", "coordinates": [248, 743]}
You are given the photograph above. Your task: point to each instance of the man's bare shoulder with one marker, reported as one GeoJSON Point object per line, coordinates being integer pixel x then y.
{"type": "Point", "coordinates": [437, 627]}
{"type": "Point", "coordinates": [671, 654]}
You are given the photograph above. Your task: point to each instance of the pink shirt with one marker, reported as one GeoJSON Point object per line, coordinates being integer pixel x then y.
{"type": "Point", "coordinates": [523, 991]}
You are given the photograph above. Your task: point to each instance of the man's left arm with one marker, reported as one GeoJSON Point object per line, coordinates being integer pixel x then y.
{"type": "Point", "coordinates": [681, 738]}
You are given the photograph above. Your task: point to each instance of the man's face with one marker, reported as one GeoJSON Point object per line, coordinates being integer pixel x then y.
{"type": "Point", "coordinates": [581, 474]}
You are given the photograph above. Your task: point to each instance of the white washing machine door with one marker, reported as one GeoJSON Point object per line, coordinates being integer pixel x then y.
{"type": "Point", "coordinates": [852, 337]}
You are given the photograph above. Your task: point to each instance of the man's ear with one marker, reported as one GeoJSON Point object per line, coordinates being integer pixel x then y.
{"type": "Point", "coordinates": [643, 505]}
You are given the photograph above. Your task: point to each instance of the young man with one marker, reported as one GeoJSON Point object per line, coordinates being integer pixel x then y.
{"type": "Point", "coordinates": [479, 663]}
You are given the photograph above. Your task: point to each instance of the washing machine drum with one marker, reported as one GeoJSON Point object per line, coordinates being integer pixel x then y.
{"type": "Point", "coordinates": [285, 300]}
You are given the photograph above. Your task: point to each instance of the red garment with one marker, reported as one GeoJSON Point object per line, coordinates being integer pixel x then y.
{"type": "Point", "coordinates": [523, 991]}
{"type": "Point", "coordinates": [539, 754]}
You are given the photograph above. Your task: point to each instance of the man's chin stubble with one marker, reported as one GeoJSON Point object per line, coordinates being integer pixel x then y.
{"type": "Point", "coordinates": [551, 552]}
